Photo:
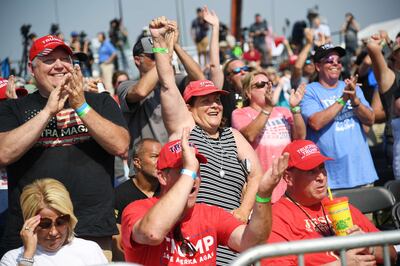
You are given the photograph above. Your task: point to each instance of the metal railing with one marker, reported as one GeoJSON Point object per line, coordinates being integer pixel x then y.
{"type": "Point", "coordinates": [301, 247]}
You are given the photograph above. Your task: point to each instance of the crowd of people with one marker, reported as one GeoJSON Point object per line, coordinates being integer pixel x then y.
{"type": "Point", "coordinates": [217, 155]}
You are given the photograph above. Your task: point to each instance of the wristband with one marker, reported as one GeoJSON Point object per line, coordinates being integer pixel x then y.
{"type": "Point", "coordinates": [25, 261]}
{"type": "Point", "coordinates": [83, 109]}
{"type": "Point", "coordinates": [265, 112]}
{"type": "Point", "coordinates": [295, 110]}
{"type": "Point", "coordinates": [341, 101]}
{"type": "Point", "coordinates": [189, 173]}
{"type": "Point", "coordinates": [262, 200]}
{"type": "Point", "coordinates": [160, 50]}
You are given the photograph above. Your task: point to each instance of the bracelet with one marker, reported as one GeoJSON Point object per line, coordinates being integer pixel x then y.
{"type": "Point", "coordinates": [160, 50]}
{"type": "Point", "coordinates": [83, 109]}
{"type": "Point", "coordinates": [262, 200]}
{"type": "Point", "coordinates": [295, 110]}
{"type": "Point", "coordinates": [265, 112]}
{"type": "Point", "coordinates": [355, 105]}
{"type": "Point", "coordinates": [25, 261]}
{"type": "Point", "coordinates": [189, 173]}
{"type": "Point", "coordinates": [341, 101]}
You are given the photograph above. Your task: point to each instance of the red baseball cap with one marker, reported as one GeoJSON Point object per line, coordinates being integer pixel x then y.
{"type": "Point", "coordinates": [304, 155]}
{"type": "Point", "coordinates": [3, 88]}
{"type": "Point", "coordinates": [45, 45]}
{"type": "Point", "coordinates": [171, 155]}
{"type": "Point", "coordinates": [200, 88]}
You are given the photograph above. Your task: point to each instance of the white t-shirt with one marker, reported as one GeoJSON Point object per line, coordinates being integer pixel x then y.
{"type": "Point", "coordinates": [78, 252]}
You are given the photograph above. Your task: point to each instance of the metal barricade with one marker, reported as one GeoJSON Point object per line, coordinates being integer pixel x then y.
{"type": "Point", "coordinates": [301, 247]}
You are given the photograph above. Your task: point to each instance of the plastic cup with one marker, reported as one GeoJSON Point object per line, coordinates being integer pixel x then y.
{"type": "Point", "coordinates": [339, 213]}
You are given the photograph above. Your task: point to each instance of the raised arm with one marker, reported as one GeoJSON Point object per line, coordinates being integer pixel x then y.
{"type": "Point", "coordinates": [143, 87]}
{"type": "Point", "coordinates": [259, 227]}
{"type": "Point", "coordinates": [159, 220]}
{"type": "Point", "coordinates": [175, 113]}
{"type": "Point", "coordinates": [245, 151]}
{"type": "Point", "coordinates": [384, 75]}
{"type": "Point", "coordinates": [301, 59]}
{"type": "Point", "coordinates": [217, 74]}
{"type": "Point", "coordinates": [299, 127]}
{"type": "Point", "coordinates": [192, 68]}
{"type": "Point", "coordinates": [112, 137]}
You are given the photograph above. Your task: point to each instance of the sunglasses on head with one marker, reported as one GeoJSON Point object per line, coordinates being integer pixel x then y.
{"type": "Point", "coordinates": [185, 245]}
{"type": "Point", "coordinates": [237, 70]}
{"type": "Point", "coordinates": [260, 84]}
{"type": "Point", "coordinates": [47, 223]}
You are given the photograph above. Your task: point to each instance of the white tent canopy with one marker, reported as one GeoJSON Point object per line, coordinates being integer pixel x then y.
{"type": "Point", "coordinates": [391, 26]}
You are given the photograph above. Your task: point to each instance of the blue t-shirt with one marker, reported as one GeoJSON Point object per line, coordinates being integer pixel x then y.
{"type": "Point", "coordinates": [105, 51]}
{"type": "Point", "coordinates": [343, 139]}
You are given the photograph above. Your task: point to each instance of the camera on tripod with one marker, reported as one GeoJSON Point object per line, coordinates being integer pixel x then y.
{"type": "Point", "coordinates": [25, 30]}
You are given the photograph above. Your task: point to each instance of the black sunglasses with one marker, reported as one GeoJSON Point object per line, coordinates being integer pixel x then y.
{"type": "Point", "coordinates": [260, 84]}
{"type": "Point", "coordinates": [237, 70]}
{"type": "Point", "coordinates": [186, 246]}
{"type": "Point", "coordinates": [47, 223]}
{"type": "Point", "coordinates": [331, 61]}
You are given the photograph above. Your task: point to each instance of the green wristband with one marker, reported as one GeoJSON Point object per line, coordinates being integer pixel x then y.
{"type": "Point", "coordinates": [262, 200]}
{"type": "Point", "coordinates": [341, 101]}
{"type": "Point", "coordinates": [295, 110]}
{"type": "Point", "coordinates": [160, 50]}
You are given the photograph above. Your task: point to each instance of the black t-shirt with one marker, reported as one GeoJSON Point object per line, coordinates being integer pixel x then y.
{"type": "Point", "coordinates": [126, 193]}
{"type": "Point", "coordinates": [65, 151]}
{"type": "Point", "coordinates": [387, 99]}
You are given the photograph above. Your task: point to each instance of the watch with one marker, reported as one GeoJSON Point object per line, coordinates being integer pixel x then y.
{"type": "Point", "coordinates": [25, 261]}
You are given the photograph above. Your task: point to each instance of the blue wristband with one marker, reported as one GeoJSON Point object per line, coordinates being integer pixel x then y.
{"type": "Point", "coordinates": [189, 173]}
{"type": "Point", "coordinates": [82, 107]}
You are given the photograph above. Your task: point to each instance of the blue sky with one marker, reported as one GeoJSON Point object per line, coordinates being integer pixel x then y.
{"type": "Point", "coordinates": [93, 16]}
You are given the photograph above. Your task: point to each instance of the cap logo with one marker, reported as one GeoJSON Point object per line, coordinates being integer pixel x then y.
{"type": "Point", "coordinates": [177, 148]}
{"type": "Point", "coordinates": [206, 83]}
{"type": "Point", "coordinates": [307, 150]}
{"type": "Point", "coordinates": [327, 46]}
{"type": "Point", "coordinates": [3, 83]}
{"type": "Point", "coordinates": [50, 39]}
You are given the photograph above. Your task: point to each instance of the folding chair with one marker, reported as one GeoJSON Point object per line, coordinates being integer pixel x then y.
{"type": "Point", "coordinates": [394, 187]}
{"type": "Point", "coordinates": [396, 215]}
{"type": "Point", "coordinates": [370, 200]}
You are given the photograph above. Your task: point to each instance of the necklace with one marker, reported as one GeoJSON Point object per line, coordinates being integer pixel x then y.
{"type": "Point", "coordinates": [221, 171]}
{"type": "Point", "coordinates": [322, 232]}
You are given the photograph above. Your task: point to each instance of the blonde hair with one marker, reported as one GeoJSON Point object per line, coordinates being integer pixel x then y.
{"type": "Point", "coordinates": [48, 193]}
{"type": "Point", "coordinates": [248, 79]}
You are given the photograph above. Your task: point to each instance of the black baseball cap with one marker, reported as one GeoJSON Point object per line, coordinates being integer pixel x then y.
{"type": "Point", "coordinates": [325, 49]}
{"type": "Point", "coordinates": [143, 46]}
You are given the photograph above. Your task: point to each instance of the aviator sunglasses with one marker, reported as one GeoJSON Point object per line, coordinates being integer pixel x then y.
{"type": "Point", "coordinates": [260, 84]}
{"type": "Point", "coordinates": [186, 246]}
{"type": "Point", "coordinates": [331, 60]}
{"type": "Point", "coordinates": [47, 223]}
{"type": "Point", "coordinates": [237, 70]}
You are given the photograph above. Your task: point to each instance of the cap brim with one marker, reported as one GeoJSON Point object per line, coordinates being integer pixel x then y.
{"type": "Point", "coordinates": [206, 92]}
{"type": "Point", "coordinates": [311, 162]}
{"type": "Point", "coordinates": [341, 52]}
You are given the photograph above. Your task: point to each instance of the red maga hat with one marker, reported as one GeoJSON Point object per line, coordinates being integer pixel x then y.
{"type": "Point", "coordinates": [200, 88]}
{"type": "Point", "coordinates": [45, 45]}
{"type": "Point", "coordinates": [171, 155]}
{"type": "Point", "coordinates": [304, 155]}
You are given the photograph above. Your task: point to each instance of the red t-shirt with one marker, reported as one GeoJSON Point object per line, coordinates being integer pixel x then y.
{"type": "Point", "coordinates": [290, 224]}
{"type": "Point", "coordinates": [205, 227]}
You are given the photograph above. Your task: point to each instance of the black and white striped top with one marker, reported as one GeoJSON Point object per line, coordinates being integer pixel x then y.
{"type": "Point", "coordinates": [224, 192]}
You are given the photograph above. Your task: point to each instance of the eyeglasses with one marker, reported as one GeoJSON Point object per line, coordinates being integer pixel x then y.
{"type": "Point", "coordinates": [47, 223]}
{"type": "Point", "coordinates": [308, 62]}
{"type": "Point", "coordinates": [237, 70]}
{"type": "Point", "coordinates": [50, 61]}
{"type": "Point", "coordinates": [331, 60]}
{"type": "Point", "coordinates": [185, 245]}
{"type": "Point", "coordinates": [260, 84]}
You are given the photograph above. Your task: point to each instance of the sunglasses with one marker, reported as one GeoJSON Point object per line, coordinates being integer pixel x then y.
{"type": "Point", "coordinates": [308, 62]}
{"type": "Point", "coordinates": [260, 84]}
{"type": "Point", "coordinates": [50, 61]}
{"type": "Point", "coordinates": [47, 223]}
{"type": "Point", "coordinates": [332, 60]}
{"type": "Point", "coordinates": [186, 246]}
{"type": "Point", "coordinates": [237, 70]}
{"type": "Point", "coordinates": [151, 56]}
